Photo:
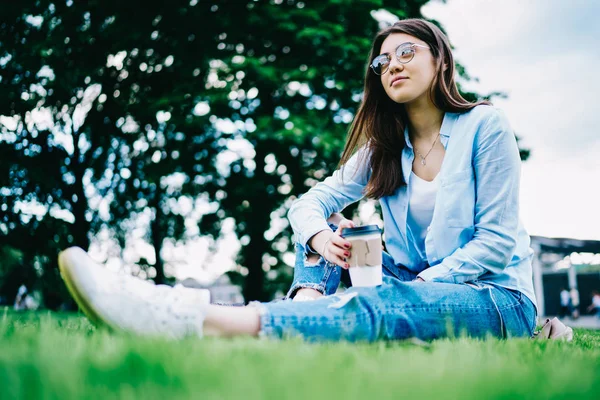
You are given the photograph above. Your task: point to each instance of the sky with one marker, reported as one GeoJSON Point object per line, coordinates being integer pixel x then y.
{"type": "Point", "coordinates": [544, 55]}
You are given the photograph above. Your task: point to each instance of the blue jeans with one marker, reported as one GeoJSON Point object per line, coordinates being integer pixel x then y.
{"type": "Point", "coordinates": [398, 309]}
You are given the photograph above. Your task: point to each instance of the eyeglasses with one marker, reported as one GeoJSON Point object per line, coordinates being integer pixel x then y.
{"type": "Point", "coordinates": [404, 54]}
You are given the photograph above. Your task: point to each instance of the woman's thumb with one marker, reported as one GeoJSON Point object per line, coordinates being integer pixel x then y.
{"type": "Point", "coordinates": [344, 224]}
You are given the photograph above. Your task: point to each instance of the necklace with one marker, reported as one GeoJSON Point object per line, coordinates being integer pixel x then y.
{"type": "Point", "coordinates": [423, 157]}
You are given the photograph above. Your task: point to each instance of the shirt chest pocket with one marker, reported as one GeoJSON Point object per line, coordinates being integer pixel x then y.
{"type": "Point", "coordinates": [458, 198]}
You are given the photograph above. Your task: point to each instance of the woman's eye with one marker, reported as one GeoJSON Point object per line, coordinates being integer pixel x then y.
{"type": "Point", "coordinates": [381, 60]}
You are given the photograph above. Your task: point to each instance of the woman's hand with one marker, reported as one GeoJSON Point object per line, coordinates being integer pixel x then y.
{"type": "Point", "coordinates": [332, 246]}
{"type": "Point", "coordinates": [337, 250]}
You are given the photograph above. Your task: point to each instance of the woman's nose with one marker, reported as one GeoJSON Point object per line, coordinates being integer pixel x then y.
{"type": "Point", "coordinates": [395, 65]}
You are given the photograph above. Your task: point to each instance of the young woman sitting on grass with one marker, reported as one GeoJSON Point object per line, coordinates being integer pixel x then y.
{"type": "Point", "coordinates": [446, 173]}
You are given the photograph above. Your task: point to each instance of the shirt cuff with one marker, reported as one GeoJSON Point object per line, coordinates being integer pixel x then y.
{"type": "Point", "coordinates": [435, 273]}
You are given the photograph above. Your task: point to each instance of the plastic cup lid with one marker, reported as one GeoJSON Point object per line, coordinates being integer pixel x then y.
{"type": "Point", "coordinates": [360, 230]}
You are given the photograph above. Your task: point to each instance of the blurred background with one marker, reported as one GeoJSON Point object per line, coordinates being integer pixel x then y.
{"type": "Point", "coordinates": [170, 138]}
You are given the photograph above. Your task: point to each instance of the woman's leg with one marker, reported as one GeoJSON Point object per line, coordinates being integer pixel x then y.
{"type": "Point", "coordinates": [399, 310]}
{"type": "Point", "coordinates": [394, 310]}
{"type": "Point", "coordinates": [232, 321]}
{"type": "Point", "coordinates": [226, 321]}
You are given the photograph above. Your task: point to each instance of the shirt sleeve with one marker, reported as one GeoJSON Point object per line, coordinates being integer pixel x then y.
{"type": "Point", "coordinates": [497, 169]}
{"type": "Point", "coordinates": [308, 214]}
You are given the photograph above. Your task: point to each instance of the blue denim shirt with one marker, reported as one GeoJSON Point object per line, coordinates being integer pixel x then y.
{"type": "Point", "coordinates": [475, 233]}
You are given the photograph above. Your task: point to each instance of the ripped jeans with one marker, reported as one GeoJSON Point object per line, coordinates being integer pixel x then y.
{"type": "Point", "coordinates": [398, 309]}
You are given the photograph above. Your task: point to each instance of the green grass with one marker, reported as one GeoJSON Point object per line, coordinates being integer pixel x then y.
{"type": "Point", "coordinates": [62, 356]}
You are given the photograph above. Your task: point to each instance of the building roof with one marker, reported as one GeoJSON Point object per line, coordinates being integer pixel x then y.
{"type": "Point", "coordinates": [566, 246]}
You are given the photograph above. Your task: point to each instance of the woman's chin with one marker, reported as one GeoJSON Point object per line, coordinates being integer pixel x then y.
{"type": "Point", "coordinates": [402, 99]}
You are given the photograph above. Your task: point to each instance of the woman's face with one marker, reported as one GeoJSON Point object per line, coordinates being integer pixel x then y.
{"type": "Point", "coordinates": [418, 73]}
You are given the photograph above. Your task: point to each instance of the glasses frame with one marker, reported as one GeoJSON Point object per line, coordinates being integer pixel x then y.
{"type": "Point", "coordinates": [406, 44]}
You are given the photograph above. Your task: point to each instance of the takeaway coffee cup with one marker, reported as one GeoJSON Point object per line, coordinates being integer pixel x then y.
{"type": "Point", "coordinates": [365, 255]}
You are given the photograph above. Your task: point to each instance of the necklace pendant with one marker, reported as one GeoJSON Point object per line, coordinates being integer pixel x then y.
{"type": "Point", "coordinates": [423, 161]}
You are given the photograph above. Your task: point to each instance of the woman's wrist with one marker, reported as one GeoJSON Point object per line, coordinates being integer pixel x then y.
{"type": "Point", "coordinates": [319, 241]}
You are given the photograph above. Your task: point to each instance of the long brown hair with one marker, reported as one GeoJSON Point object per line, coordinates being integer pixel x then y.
{"type": "Point", "coordinates": [379, 122]}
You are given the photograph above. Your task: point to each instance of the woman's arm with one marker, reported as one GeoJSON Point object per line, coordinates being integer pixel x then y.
{"type": "Point", "coordinates": [318, 240]}
{"type": "Point", "coordinates": [497, 168]}
{"type": "Point", "coordinates": [308, 214]}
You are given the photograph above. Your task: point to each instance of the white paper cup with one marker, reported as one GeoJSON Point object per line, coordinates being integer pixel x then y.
{"type": "Point", "coordinates": [366, 276]}
{"type": "Point", "coordinates": [365, 255]}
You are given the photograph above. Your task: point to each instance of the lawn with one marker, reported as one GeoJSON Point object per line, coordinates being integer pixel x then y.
{"type": "Point", "coordinates": [61, 356]}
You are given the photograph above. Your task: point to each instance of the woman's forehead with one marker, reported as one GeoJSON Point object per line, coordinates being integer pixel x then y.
{"type": "Point", "coordinates": [396, 39]}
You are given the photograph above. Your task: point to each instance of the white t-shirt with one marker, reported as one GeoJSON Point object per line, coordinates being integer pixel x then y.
{"type": "Point", "coordinates": [420, 208]}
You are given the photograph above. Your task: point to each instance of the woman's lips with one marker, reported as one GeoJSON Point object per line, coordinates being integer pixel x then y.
{"type": "Point", "coordinates": [398, 81]}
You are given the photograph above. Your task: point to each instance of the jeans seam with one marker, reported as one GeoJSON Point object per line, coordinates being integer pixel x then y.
{"type": "Point", "coordinates": [328, 269]}
{"type": "Point", "coordinates": [445, 306]}
{"type": "Point", "coordinates": [391, 271]}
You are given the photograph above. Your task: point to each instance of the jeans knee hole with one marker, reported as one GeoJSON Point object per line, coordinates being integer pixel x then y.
{"type": "Point", "coordinates": [312, 260]}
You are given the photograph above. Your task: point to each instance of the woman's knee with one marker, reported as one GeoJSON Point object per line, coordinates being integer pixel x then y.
{"type": "Point", "coordinates": [313, 272]}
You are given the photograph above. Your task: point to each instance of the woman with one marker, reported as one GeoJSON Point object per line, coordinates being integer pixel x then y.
{"type": "Point", "coordinates": [446, 173]}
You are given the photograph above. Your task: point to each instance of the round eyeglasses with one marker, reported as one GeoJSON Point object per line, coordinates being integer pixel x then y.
{"type": "Point", "coordinates": [404, 54]}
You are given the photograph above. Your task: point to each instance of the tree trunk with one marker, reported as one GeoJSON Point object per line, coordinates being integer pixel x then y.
{"type": "Point", "coordinates": [258, 222]}
{"type": "Point", "coordinates": [79, 202]}
{"type": "Point", "coordinates": [255, 281]}
{"type": "Point", "coordinates": [157, 238]}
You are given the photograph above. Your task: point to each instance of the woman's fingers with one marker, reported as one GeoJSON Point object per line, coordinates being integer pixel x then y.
{"type": "Point", "coordinates": [345, 223]}
{"type": "Point", "coordinates": [337, 260]}
{"type": "Point", "coordinates": [342, 246]}
{"type": "Point", "coordinates": [338, 250]}
{"type": "Point", "coordinates": [340, 242]}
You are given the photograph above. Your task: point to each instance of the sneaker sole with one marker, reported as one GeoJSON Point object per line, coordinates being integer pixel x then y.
{"type": "Point", "coordinates": [80, 298]}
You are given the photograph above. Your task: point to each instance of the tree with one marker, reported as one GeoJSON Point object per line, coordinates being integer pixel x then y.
{"type": "Point", "coordinates": [77, 95]}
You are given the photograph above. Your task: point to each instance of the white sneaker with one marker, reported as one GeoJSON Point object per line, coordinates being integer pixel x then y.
{"type": "Point", "coordinates": [123, 302]}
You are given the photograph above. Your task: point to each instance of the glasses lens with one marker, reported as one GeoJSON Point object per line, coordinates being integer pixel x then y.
{"type": "Point", "coordinates": [380, 64]}
{"type": "Point", "coordinates": [405, 54]}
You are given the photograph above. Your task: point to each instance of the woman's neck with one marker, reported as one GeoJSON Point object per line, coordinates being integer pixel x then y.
{"type": "Point", "coordinates": [424, 121]}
